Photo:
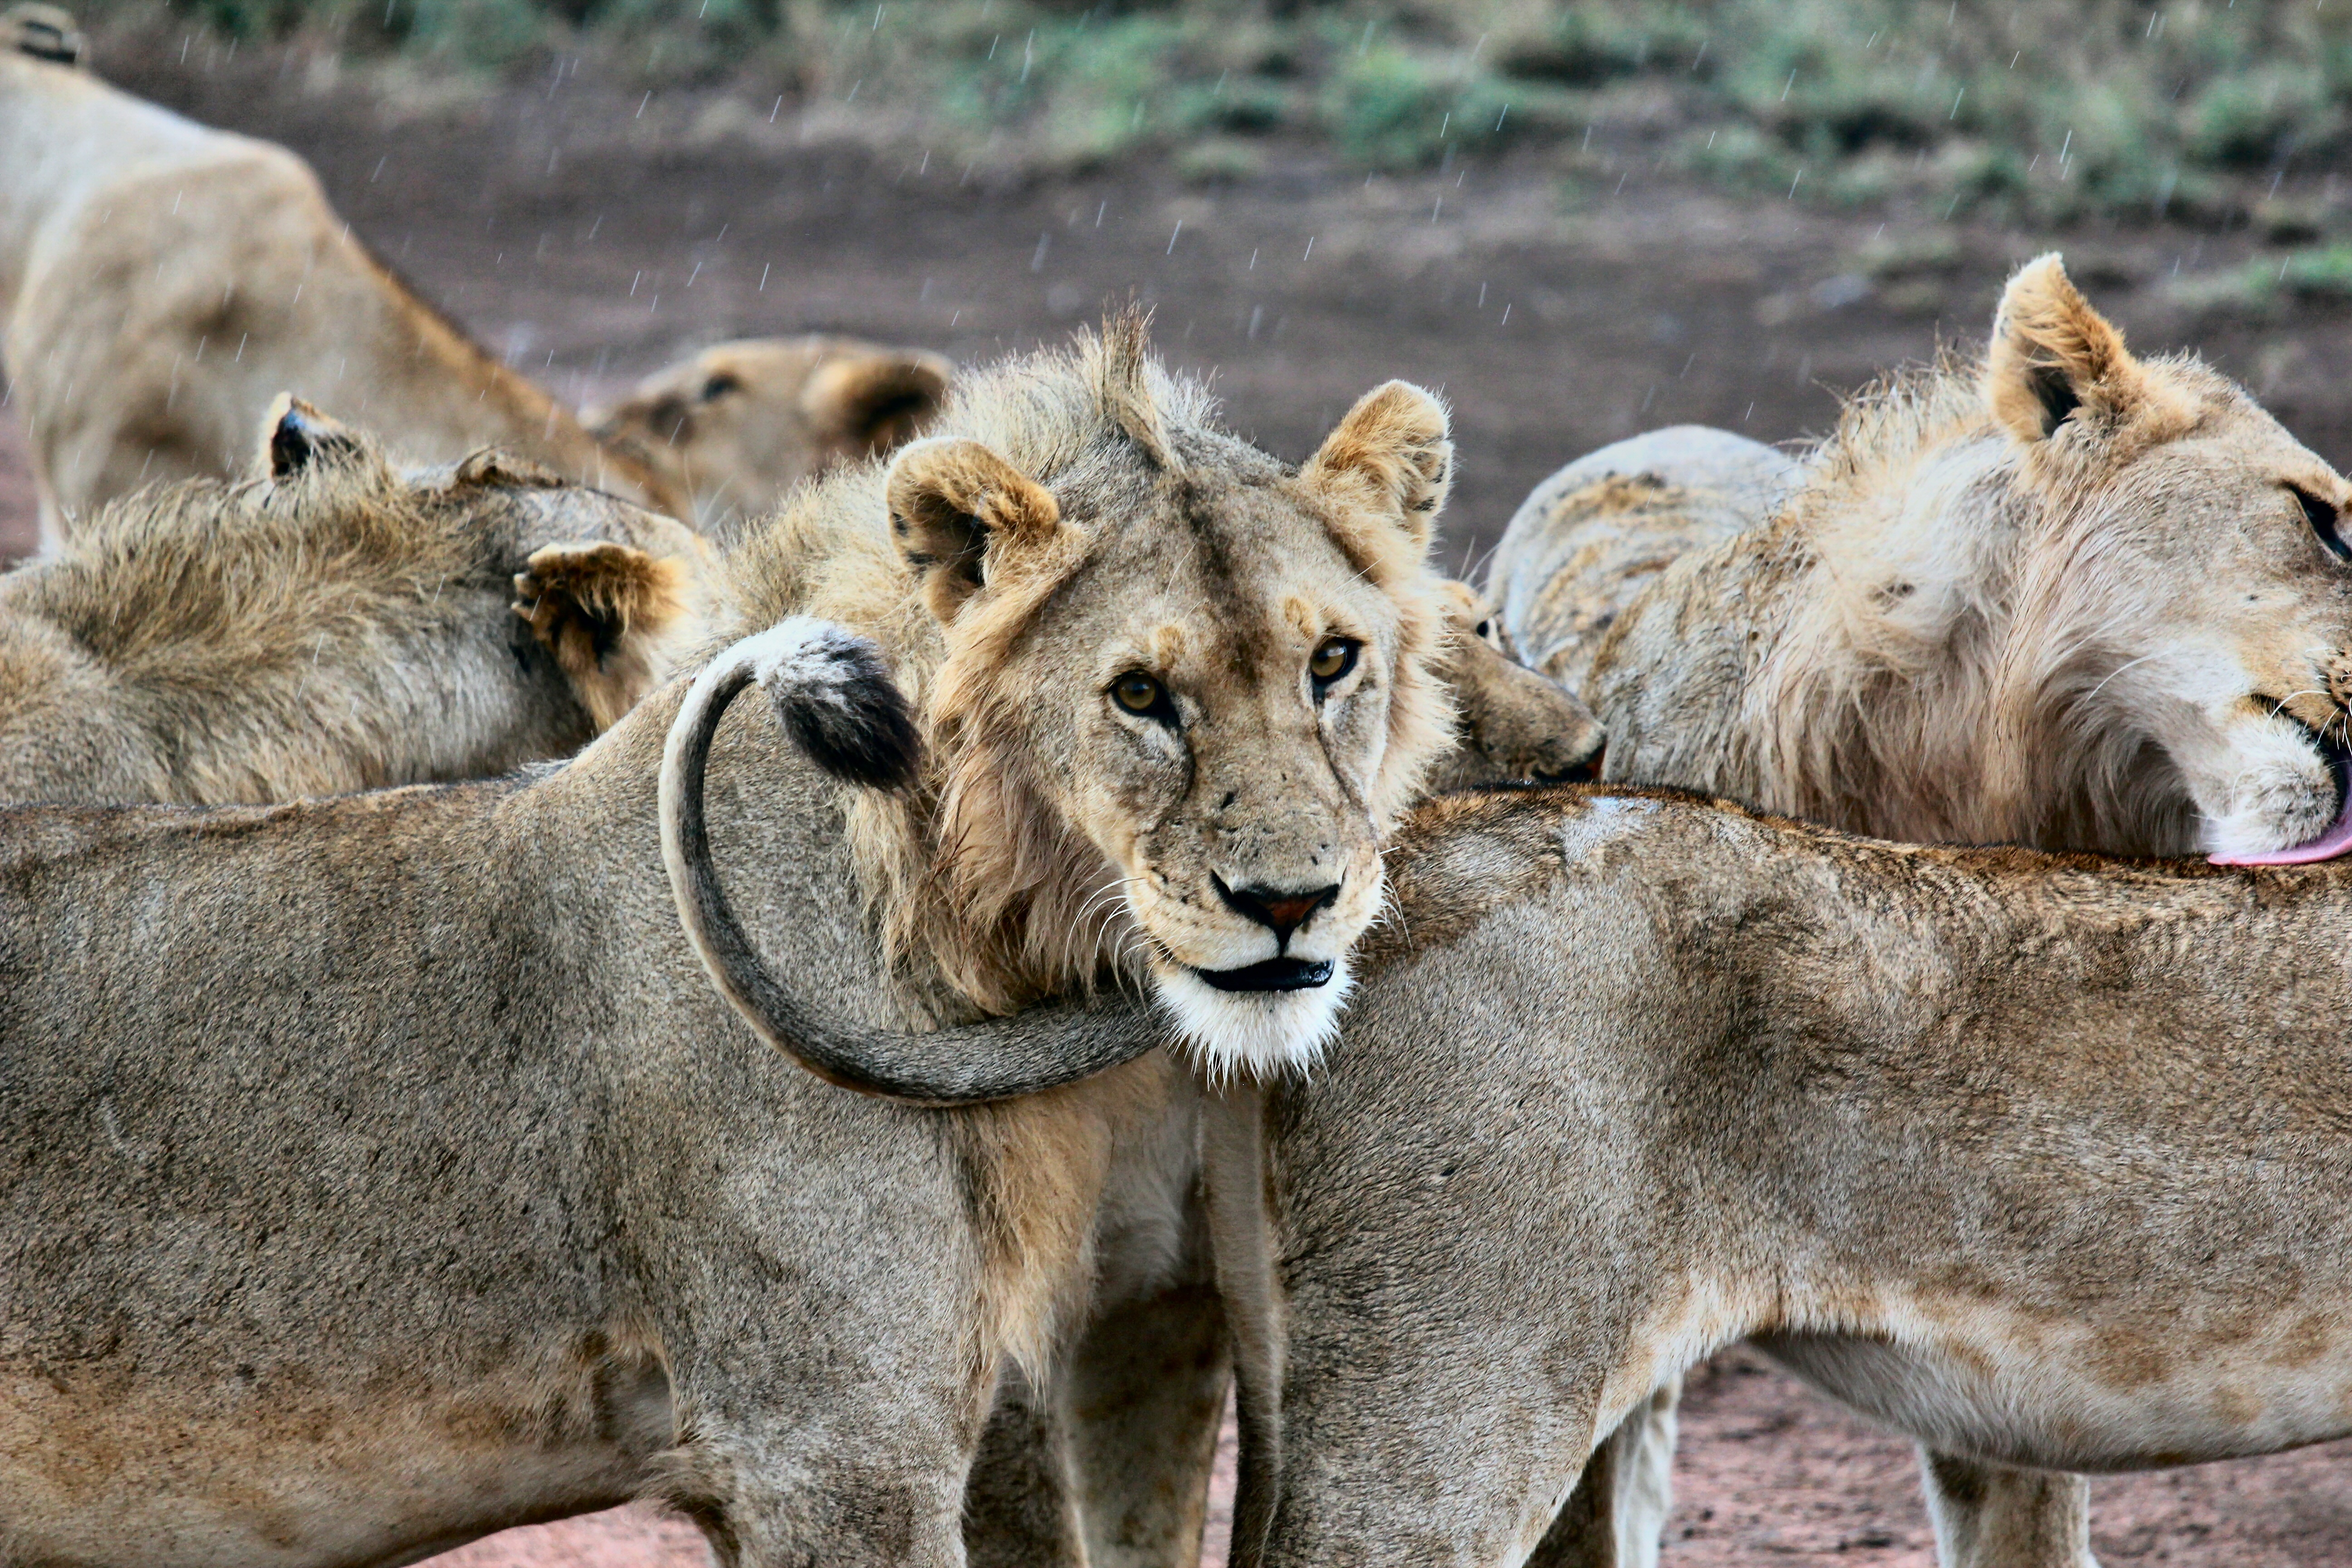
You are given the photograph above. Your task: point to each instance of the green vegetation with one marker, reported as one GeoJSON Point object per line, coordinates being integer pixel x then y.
{"type": "Point", "coordinates": [2186, 110]}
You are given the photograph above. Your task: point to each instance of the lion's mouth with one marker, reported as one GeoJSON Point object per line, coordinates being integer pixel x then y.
{"type": "Point", "coordinates": [2337, 839]}
{"type": "Point", "coordinates": [1271, 974]}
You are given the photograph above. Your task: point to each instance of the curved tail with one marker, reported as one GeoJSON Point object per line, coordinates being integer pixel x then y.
{"type": "Point", "coordinates": [837, 701]}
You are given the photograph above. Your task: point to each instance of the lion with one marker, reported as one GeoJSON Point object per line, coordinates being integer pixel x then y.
{"type": "Point", "coordinates": [2063, 596]}
{"type": "Point", "coordinates": [332, 626]}
{"type": "Point", "coordinates": [1936, 1126]}
{"type": "Point", "coordinates": [528, 1221]}
{"type": "Point", "coordinates": [736, 426]}
{"type": "Point", "coordinates": [161, 282]}
{"type": "Point", "coordinates": [1108, 1465]}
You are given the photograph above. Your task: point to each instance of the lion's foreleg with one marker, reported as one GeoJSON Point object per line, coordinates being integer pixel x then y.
{"type": "Point", "coordinates": [1996, 1516]}
{"type": "Point", "coordinates": [1145, 1393]}
{"type": "Point", "coordinates": [1617, 1514]}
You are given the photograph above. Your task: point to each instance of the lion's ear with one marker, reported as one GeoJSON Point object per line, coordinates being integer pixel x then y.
{"type": "Point", "coordinates": [875, 403]}
{"type": "Point", "coordinates": [295, 436]}
{"type": "Point", "coordinates": [1391, 456]}
{"type": "Point", "coordinates": [958, 510]}
{"type": "Point", "coordinates": [2052, 355]}
{"type": "Point", "coordinates": [610, 613]}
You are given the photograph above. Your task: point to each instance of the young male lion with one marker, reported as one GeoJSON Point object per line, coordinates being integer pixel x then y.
{"type": "Point", "coordinates": [526, 1221]}
{"type": "Point", "coordinates": [331, 625]}
{"type": "Point", "coordinates": [2064, 596]}
{"type": "Point", "coordinates": [161, 282]}
{"type": "Point", "coordinates": [738, 425]}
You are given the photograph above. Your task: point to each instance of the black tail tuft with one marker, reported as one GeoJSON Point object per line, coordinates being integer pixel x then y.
{"type": "Point", "coordinates": [842, 709]}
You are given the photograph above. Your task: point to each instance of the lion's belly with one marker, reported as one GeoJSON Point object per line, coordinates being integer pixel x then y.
{"type": "Point", "coordinates": [382, 1469]}
{"type": "Point", "coordinates": [2087, 1397]}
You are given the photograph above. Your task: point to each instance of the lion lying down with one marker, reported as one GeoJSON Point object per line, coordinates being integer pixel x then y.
{"type": "Point", "coordinates": [161, 282]}
{"type": "Point", "coordinates": [331, 625]}
{"type": "Point", "coordinates": [1635, 1075]}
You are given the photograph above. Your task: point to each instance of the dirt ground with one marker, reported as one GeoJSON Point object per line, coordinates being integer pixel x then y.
{"type": "Point", "coordinates": [592, 238]}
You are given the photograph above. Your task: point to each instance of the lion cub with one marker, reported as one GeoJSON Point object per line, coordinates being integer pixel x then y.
{"type": "Point", "coordinates": [331, 625]}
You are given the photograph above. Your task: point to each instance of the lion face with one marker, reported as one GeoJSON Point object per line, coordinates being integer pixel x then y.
{"type": "Point", "coordinates": [741, 423]}
{"type": "Point", "coordinates": [2196, 576]}
{"type": "Point", "coordinates": [1181, 701]}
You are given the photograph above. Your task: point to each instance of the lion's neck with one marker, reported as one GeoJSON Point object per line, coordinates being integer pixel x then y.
{"type": "Point", "coordinates": [1860, 660]}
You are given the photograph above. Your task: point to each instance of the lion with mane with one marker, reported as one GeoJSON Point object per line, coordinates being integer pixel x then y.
{"type": "Point", "coordinates": [1173, 691]}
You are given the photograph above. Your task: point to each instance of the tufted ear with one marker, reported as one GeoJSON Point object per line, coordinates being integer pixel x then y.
{"type": "Point", "coordinates": [875, 403]}
{"type": "Point", "coordinates": [610, 613]}
{"type": "Point", "coordinates": [957, 511]}
{"type": "Point", "coordinates": [294, 436]}
{"type": "Point", "coordinates": [1391, 456]}
{"type": "Point", "coordinates": [2052, 355]}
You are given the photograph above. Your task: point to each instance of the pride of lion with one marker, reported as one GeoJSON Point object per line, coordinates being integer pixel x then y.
{"type": "Point", "coordinates": [1150, 941]}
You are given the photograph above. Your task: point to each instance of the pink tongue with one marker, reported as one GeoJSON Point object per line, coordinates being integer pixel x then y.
{"type": "Point", "coordinates": [2326, 847]}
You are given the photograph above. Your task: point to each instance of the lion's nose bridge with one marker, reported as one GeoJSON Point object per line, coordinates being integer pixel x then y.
{"type": "Point", "coordinates": [1276, 824]}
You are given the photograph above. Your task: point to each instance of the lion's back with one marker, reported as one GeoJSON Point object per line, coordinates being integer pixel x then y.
{"type": "Point", "coordinates": [1597, 531]}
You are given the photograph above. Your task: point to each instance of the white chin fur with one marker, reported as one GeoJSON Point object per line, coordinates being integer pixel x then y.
{"type": "Point", "coordinates": [1256, 1034]}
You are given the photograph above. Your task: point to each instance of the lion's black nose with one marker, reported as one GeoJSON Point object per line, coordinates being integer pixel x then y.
{"type": "Point", "coordinates": [1280, 912]}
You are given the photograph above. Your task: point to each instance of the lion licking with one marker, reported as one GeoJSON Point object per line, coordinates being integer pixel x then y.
{"type": "Point", "coordinates": [2063, 595]}
{"type": "Point", "coordinates": [331, 625]}
{"type": "Point", "coordinates": [161, 282]}
{"type": "Point", "coordinates": [736, 425]}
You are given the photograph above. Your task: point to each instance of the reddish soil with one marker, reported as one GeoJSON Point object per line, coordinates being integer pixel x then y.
{"type": "Point", "coordinates": [592, 240]}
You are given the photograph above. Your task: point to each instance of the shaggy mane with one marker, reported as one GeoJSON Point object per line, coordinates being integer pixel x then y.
{"type": "Point", "coordinates": [1937, 585]}
{"type": "Point", "coordinates": [306, 554]}
{"type": "Point", "coordinates": [980, 890]}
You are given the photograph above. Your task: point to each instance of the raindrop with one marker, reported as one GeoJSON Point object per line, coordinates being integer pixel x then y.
{"type": "Point", "coordinates": [1171, 237]}
{"type": "Point", "coordinates": [763, 276]}
{"type": "Point", "coordinates": [1037, 258]}
{"type": "Point", "coordinates": [1310, 246]}
{"type": "Point", "coordinates": [642, 102]}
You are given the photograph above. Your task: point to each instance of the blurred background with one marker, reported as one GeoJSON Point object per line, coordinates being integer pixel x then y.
{"type": "Point", "coordinates": [1579, 221]}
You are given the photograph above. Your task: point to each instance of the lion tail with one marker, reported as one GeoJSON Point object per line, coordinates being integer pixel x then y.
{"type": "Point", "coordinates": [834, 698]}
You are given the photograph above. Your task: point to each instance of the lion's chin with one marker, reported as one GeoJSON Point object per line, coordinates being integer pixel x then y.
{"type": "Point", "coordinates": [1256, 1032]}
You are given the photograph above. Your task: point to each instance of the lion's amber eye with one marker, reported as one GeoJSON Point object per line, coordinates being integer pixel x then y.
{"type": "Point", "coordinates": [1138, 693]}
{"type": "Point", "coordinates": [1333, 657]}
